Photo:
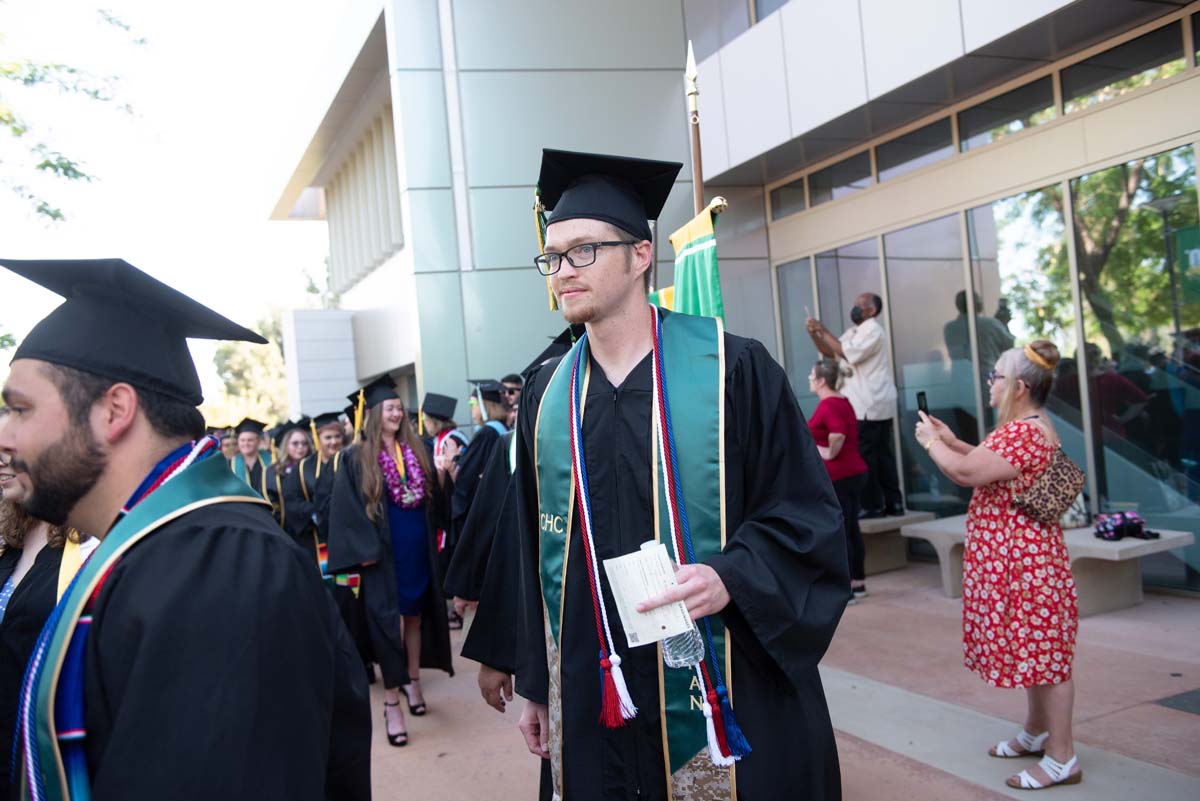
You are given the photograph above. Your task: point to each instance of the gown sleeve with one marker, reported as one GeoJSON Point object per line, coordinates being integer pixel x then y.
{"type": "Point", "coordinates": [785, 565]}
{"type": "Point", "coordinates": [353, 538]}
{"type": "Point", "coordinates": [491, 639]}
{"type": "Point", "coordinates": [464, 577]}
{"type": "Point", "coordinates": [470, 471]}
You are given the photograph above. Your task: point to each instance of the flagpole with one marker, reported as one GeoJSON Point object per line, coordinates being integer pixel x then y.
{"type": "Point", "coordinates": [693, 102]}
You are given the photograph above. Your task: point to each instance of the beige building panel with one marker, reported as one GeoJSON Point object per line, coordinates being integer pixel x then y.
{"type": "Point", "coordinates": [1160, 116]}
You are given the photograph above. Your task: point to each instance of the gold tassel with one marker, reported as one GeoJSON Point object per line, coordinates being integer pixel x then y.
{"type": "Point", "coordinates": [358, 413]}
{"type": "Point", "coordinates": [420, 422]}
{"type": "Point", "coordinates": [312, 424]}
{"type": "Point", "coordinates": [538, 211]}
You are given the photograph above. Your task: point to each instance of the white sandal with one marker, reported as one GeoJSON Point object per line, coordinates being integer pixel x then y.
{"type": "Point", "coordinates": [1034, 746]}
{"type": "Point", "coordinates": [1058, 772]}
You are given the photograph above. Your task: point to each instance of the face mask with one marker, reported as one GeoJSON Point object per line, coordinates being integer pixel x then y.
{"type": "Point", "coordinates": [856, 315]}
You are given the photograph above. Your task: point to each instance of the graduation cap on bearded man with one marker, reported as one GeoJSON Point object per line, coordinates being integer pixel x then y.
{"type": "Point", "coordinates": [622, 191]}
{"type": "Point", "coordinates": [119, 323]}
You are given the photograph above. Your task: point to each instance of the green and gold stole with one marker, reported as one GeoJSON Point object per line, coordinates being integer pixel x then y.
{"type": "Point", "coordinates": [238, 465]}
{"type": "Point", "coordinates": [694, 372]}
{"type": "Point", "coordinates": [205, 483]}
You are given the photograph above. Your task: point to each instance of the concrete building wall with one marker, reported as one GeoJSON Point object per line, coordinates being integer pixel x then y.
{"type": "Point", "coordinates": [318, 346]}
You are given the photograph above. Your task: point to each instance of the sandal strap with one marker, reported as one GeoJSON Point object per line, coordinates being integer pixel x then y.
{"type": "Point", "coordinates": [1031, 743]}
{"type": "Point", "coordinates": [1056, 770]}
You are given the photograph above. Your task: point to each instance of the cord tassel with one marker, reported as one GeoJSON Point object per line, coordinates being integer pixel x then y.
{"type": "Point", "coordinates": [714, 747]}
{"type": "Point", "coordinates": [628, 710]}
{"type": "Point", "coordinates": [610, 699]}
{"type": "Point", "coordinates": [734, 738]}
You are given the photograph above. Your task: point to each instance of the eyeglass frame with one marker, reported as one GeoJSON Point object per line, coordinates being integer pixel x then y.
{"type": "Point", "coordinates": [567, 255]}
{"type": "Point", "coordinates": [993, 375]}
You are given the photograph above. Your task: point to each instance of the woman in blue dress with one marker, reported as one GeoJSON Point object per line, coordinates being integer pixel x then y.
{"type": "Point", "coordinates": [379, 529]}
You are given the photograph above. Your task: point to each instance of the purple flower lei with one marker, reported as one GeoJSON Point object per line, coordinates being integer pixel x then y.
{"type": "Point", "coordinates": [407, 494]}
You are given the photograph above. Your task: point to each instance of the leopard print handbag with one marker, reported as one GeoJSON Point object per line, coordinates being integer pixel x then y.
{"type": "Point", "coordinates": [1053, 492]}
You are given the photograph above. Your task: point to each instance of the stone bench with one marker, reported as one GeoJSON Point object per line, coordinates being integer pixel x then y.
{"type": "Point", "coordinates": [885, 549]}
{"type": "Point", "coordinates": [1108, 575]}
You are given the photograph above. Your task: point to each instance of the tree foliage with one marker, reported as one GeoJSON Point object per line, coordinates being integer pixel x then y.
{"type": "Point", "coordinates": [253, 377]}
{"type": "Point", "coordinates": [26, 156]}
{"type": "Point", "coordinates": [1119, 247]}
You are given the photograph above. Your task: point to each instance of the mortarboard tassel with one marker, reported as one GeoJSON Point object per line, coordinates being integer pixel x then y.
{"type": "Point", "coordinates": [358, 413]}
{"type": "Point", "coordinates": [420, 422]}
{"type": "Point", "coordinates": [539, 224]}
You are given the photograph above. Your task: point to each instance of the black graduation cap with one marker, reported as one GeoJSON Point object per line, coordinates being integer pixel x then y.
{"type": "Point", "coordinates": [327, 419]}
{"type": "Point", "coordinates": [488, 389]}
{"type": "Point", "coordinates": [287, 427]}
{"type": "Point", "coordinates": [119, 323]}
{"type": "Point", "coordinates": [374, 393]}
{"type": "Point", "coordinates": [217, 431]}
{"type": "Point", "coordinates": [438, 406]}
{"type": "Point", "coordinates": [349, 411]}
{"type": "Point", "coordinates": [250, 426]}
{"type": "Point", "coordinates": [625, 192]}
{"type": "Point", "coordinates": [558, 347]}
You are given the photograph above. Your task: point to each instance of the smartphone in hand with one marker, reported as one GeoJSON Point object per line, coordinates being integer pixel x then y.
{"type": "Point", "coordinates": [922, 403]}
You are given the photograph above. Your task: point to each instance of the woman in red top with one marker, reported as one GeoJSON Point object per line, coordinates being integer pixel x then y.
{"type": "Point", "coordinates": [835, 429]}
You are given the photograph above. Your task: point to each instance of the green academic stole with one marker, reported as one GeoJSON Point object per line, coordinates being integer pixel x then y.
{"type": "Point", "coordinates": [694, 373]}
{"type": "Point", "coordinates": [238, 465]}
{"type": "Point", "coordinates": [205, 483]}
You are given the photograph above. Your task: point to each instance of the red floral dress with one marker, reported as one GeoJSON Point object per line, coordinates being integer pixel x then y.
{"type": "Point", "coordinates": [1019, 613]}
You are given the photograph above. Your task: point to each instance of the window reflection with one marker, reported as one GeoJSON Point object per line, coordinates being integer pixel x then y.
{"type": "Point", "coordinates": [1148, 58]}
{"type": "Point", "coordinates": [787, 199]}
{"type": "Point", "coordinates": [843, 275]}
{"type": "Point", "coordinates": [796, 302]}
{"type": "Point", "coordinates": [914, 150]}
{"type": "Point", "coordinates": [925, 279]}
{"type": "Point", "coordinates": [1137, 240]}
{"type": "Point", "coordinates": [991, 120]}
{"type": "Point", "coordinates": [1022, 288]}
{"type": "Point", "coordinates": [841, 179]}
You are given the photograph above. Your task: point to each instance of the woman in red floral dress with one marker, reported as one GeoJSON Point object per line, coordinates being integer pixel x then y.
{"type": "Point", "coordinates": [1019, 611]}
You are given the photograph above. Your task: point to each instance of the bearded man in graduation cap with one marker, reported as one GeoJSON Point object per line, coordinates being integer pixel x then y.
{"type": "Point", "coordinates": [196, 655]}
{"type": "Point", "coordinates": [661, 426]}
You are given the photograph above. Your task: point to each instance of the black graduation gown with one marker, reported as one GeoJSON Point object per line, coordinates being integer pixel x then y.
{"type": "Point", "coordinates": [31, 603]}
{"type": "Point", "coordinates": [491, 640]}
{"type": "Point", "coordinates": [464, 577]}
{"type": "Point", "coordinates": [308, 521]}
{"type": "Point", "coordinates": [784, 566]}
{"type": "Point", "coordinates": [353, 542]}
{"type": "Point", "coordinates": [471, 464]}
{"type": "Point", "coordinates": [217, 667]}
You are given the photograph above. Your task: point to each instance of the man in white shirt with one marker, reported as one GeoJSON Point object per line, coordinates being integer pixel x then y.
{"type": "Point", "coordinates": [872, 393]}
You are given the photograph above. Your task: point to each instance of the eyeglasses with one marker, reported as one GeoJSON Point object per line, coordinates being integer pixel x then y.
{"type": "Point", "coordinates": [992, 376]}
{"type": "Point", "coordinates": [583, 255]}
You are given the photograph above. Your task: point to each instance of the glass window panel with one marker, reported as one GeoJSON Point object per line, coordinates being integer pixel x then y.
{"type": "Point", "coordinates": [923, 146]}
{"type": "Point", "coordinates": [1023, 107]}
{"type": "Point", "coordinates": [1022, 281]}
{"type": "Point", "coordinates": [841, 179]}
{"type": "Point", "coordinates": [795, 304]}
{"type": "Point", "coordinates": [764, 7]}
{"type": "Point", "coordinates": [925, 274]}
{"type": "Point", "coordinates": [1148, 58]}
{"type": "Point", "coordinates": [749, 306]}
{"type": "Point", "coordinates": [1137, 242]}
{"type": "Point", "coordinates": [787, 199]}
{"type": "Point", "coordinates": [843, 275]}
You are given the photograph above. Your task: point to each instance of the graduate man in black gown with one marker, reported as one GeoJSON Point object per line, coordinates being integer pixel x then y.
{"type": "Point", "coordinates": [197, 655]}
{"type": "Point", "coordinates": [778, 585]}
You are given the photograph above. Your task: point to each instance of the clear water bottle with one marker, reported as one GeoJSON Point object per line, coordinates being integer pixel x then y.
{"type": "Point", "coordinates": [682, 650]}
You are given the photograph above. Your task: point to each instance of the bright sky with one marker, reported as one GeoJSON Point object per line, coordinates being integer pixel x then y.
{"type": "Point", "coordinates": [185, 183]}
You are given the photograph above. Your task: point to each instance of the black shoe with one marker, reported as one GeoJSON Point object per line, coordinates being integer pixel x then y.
{"type": "Point", "coordinates": [871, 514]}
{"type": "Point", "coordinates": [398, 740]}
{"type": "Point", "coordinates": [859, 592]}
{"type": "Point", "coordinates": [895, 511]}
{"type": "Point", "coordinates": [416, 710]}
{"type": "Point", "coordinates": [454, 621]}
